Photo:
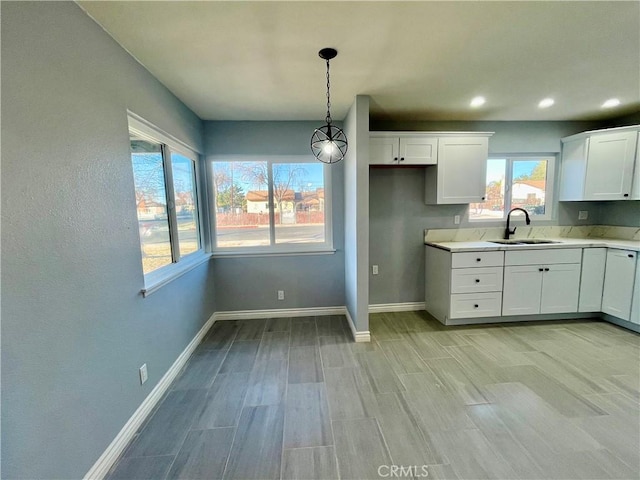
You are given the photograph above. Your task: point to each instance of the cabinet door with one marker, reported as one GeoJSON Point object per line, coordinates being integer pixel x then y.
{"type": "Point", "coordinates": [418, 151]}
{"type": "Point", "coordinates": [383, 150]}
{"type": "Point", "coordinates": [592, 279]}
{"type": "Point", "coordinates": [635, 302]}
{"type": "Point", "coordinates": [635, 182]}
{"type": "Point", "coordinates": [610, 160]}
{"type": "Point", "coordinates": [462, 169]}
{"type": "Point", "coordinates": [618, 283]}
{"type": "Point", "coordinates": [560, 288]}
{"type": "Point", "coordinates": [573, 166]}
{"type": "Point", "coordinates": [522, 290]}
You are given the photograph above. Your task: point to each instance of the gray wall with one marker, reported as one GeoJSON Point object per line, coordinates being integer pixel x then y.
{"type": "Point", "coordinates": [622, 213]}
{"type": "Point", "coordinates": [356, 188]}
{"type": "Point", "coordinates": [398, 215]}
{"type": "Point", "coordinates": [75, 328]}
{"type": "Point", "coordinates": [251, 283]}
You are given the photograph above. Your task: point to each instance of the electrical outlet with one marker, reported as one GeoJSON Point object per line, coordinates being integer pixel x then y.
{"type": "Point", "coordinates": [374, 269]}
{"type": "Point", "coordinates": [583, 214]}
{"type": "Point", "coordinates": [456, 219]}
{"type": "Point", "coordinates": [280, 294]}
{"type": "Point", "coordinates": [143, 374]}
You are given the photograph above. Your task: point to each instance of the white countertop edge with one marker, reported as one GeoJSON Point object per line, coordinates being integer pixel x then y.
{"type": "Point", "coordinates": [486, 246]}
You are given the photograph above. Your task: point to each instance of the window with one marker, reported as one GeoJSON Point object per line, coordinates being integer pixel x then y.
{"type": "Point", "coordinates": [165, 180]}
{"type": "Point", "coordinates": [271, 204]}
{"type": "Point", "coordinates": [524, 182]}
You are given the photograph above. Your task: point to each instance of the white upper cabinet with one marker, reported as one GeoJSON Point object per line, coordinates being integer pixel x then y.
{"type": "Point", "coordinates": [402, 149]}
{"type": "Point", "coordinates": [460, 176]}
{"type": "Point", "coordinates": [599, 165]}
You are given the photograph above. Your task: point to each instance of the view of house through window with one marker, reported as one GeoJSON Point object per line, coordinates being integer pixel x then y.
{"type": "Point", "coordinates": [151, 203]}
{"type": "Point", "coordinates": [267, 202]}
{"type": "Point", "coordinates": [515, 182]}
{"type": "Point", "coordinates": [166, 202]}
{"type": "Point", "coordinates": [184, 187]}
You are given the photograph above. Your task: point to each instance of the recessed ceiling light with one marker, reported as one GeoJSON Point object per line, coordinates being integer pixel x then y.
{"type": "Point", "coordinates": [612, 102]}
{"type": "Point", "coordinates": [546, 103]}
{"type": "Point", "coordinates": [478, 102]}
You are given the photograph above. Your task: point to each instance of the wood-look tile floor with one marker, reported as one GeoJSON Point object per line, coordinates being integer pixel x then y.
{"type": "Point", "coordinates": [296, 398]}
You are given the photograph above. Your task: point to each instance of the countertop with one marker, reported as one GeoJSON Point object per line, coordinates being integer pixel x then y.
{"type": "Point", "coordinates": [477, 246]}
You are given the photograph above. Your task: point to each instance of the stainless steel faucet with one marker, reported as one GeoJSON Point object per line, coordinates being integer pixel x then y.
{"type": "Point", "coordinates": [508, 231]}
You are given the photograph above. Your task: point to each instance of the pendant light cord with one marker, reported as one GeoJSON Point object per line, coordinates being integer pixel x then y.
{"type": "Point", "coordinates": [328, 118]}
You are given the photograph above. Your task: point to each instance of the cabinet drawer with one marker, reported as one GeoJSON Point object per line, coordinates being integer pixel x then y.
{"type": "Point", "coordinates": [470, 305]}
{"type": "Point", "coordinates": [543, 257]}
{"type": "Point", "coordinates": [470, 280]}
{"type": "Point", "coordinates": [477, 259]}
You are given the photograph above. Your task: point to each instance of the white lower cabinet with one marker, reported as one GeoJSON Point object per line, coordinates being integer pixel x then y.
{"type": "Point", "coordinates": [522, 290]}
{"type": "Point", "coordinates": [470, 305]}
{"type": "Point", "coordinates": [592, 279]}
{"type": "Point", "coordinates": [463, 285]}
{"type": "Point", "coordinates": [560, 288]}
{"type": "Point", "coordinates": [619, 279]}
{"type": "Point", "coordinates": [491, 284]}
{"type": "Point", "coordinates": [541, 288]}
{"type": "Point", "coordinates": [635, 302]}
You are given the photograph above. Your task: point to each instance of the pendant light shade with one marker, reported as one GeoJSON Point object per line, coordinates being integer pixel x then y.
{"type": "Point", "coordinates": [328, 142]}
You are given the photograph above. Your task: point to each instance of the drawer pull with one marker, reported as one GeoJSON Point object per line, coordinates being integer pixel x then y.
{"type": "Point", "coordinates": [477, 280]}
{"type": "Point", "coordinates": [475, 305]}
{"type": "Point", "coordinates": [478, 259]}
{"type": "Point", "coordinates": [541, 269]}
{"type": "Point", "coordinates": [630, 255]}
{"type": "Point", "coordinates": [546, 269]}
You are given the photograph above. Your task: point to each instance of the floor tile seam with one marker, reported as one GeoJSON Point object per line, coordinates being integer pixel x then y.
{"type": "Point", "coordinates": [310, 447]}
{"type": "Point", "coordinates": [418, 356]}
{"type": "Point", "coordinates": [191, 423]}
{"type": "Point", "coordinates": [512, 438]}
{"type": "Point", "coordinates": [226, 353]}
{"type": "Point", "coordinates": [333, 437]}
{"type": "Point", "coordinates": [235, 429]}
{"type": "Point", "coordinates": [285, 398]}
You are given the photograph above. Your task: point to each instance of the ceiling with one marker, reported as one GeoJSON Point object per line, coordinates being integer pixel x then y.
{"type": "Point", "coordinates": [421, 60]}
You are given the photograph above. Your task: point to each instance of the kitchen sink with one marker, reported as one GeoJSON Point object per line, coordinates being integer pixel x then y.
{"type": "Point", "coordinates": [533, 241]}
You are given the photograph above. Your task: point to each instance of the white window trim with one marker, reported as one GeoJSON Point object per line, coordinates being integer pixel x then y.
{"type": "Point", "coordinates": [549, 191]}
{"type": "Point", "coordinates": [156, 279]}
{"type": "Point", "coordinates": [275, 249]}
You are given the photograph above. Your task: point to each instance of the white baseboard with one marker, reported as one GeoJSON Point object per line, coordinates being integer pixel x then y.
{"type": "Point", "coordinates": [278, 313]}
{"type": "Point", "coordinates": [362, 336]}
{"type": "Point", "coordinates": [396, 307]}
{"type": "Point", "coordinates": [358, 336]}
{"type": "Point", "coordinates": [113, 451]}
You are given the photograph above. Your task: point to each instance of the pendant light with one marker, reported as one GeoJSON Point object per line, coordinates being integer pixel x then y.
{"type": "Point", "coordinates": [328, 142]}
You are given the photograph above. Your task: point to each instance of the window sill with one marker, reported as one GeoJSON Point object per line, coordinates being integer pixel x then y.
{"type": "Point", "coordinates": [257, 253]}
{"type": "Point", "coordinates": [156, 280]}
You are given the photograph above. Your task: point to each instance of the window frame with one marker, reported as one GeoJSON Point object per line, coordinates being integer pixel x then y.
{"type": "Point", "coordinates": [180, 264]}
{"type": "Point", "coordinates": [273, 248]}
{"type": "Point", "coordinates": [550, 186]}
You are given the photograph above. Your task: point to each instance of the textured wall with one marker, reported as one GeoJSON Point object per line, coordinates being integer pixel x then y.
{"type": "Point", "coordinates": [356, 225]}
{"type": "Point", "coordinates": [251, 283]}
{"type": "Point", "coordinates": [75, 328]}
